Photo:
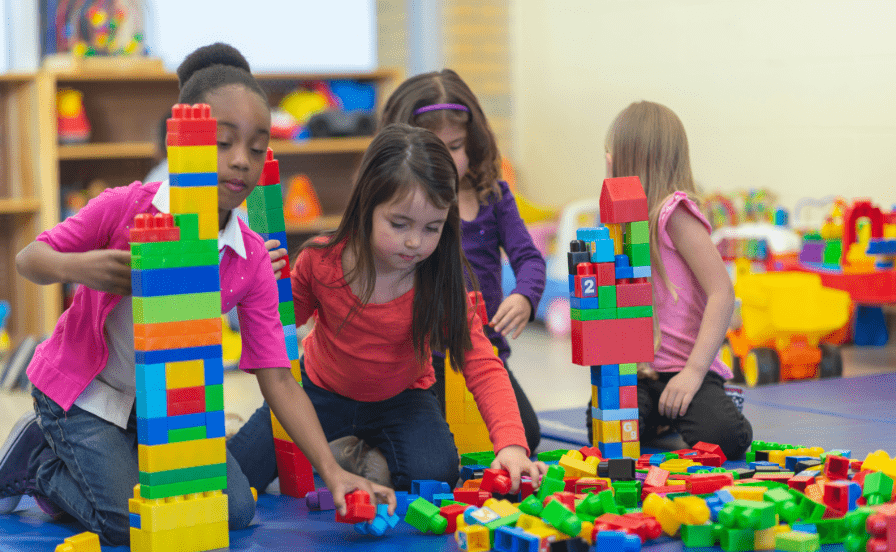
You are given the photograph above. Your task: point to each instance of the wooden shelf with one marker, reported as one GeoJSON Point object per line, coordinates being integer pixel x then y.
{"type": "Point", "coordinates": [319, 224]}
{"type": "Point", "coordinates": [321, 146]}
{"type": "Point", "coordinates": [108, 150]}
{"type": "Point", "coordinates": [11, 206]}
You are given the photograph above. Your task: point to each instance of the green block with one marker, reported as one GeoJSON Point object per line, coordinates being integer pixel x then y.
{"type": "Point", "coordinates": [634, 312]}
{"type": "Point", "coordinates": [185, 487]}
{"type": "Point", "coordinates": [425, 516]}
{"type": "Point", "coordinates": [748, 514]}
{"type": "Point", "coordinates": [147, 256]}
{"type": "Point", "coordinates": [268, 222]}
{"type": "Point", "coordinates": [877, 483]}
{"type": "Point", "coordinates": [797, 541]}
{"type": "Point", "coordinates": [592, 314]}
{"type": "Point", "coordinates": [638, 253]}
{"type": "Point", "coordinates": [737, 540]}
{"type": "Point", "coordinates": [483, 458]}
{"type": "Point", "coordinates": [214, 397]}
{"type": "Point", "coordinates": [265, 198]}
{"type": "Point", "coordinates": [561, 518]}
{"type": "Point", "coordinates": [551, 455]}
{"type": "Point", "coordinates": [186, 434]}
{"type": "Point", "coordinates": [177, 308]}
{"type": "Point", "coordinates": [506, 521]}
{"type": "Point", "coordinates": [637, 232]}
{"type": "Point", "coordinates": [833, 251]}
{"type": "Point", "coordinates": [606, 296]}
{"type": "Point", "coordinates": [628, 493]}
{"type": "Point", "coordinates": [532, 506]}
{"type": "Point", "coordinates": [628, 369]}
{"type": "Point", "coordinates": [189, 226]}
{"type": "Point", "coordinates": [697, 535]}
{"type": "Point", "coordinates": [784, 502]}
{"type": "Point", "coordinates": [183, 474]}
{"type": "Point", "coordinates": [287, 313]}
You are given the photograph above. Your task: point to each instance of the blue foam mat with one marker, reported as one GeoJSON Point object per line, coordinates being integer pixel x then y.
{"type": "Point", "coordinates": [854, 413]}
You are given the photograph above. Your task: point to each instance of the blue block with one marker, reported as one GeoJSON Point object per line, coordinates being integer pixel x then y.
{"type": "Point", "coordinates": [614, 415]}
{"type": "Point", "coordinates": [617, 541]}
{"type": "Point", "coordinates": [186, 420]}
{"type": "Point", "coordinates": [621, 261]}
{"type": "Point", "coordinates": [292, 347]}
{"type": "Point", "coordinates": [608, 398]}
{"type": "Point", "coordinates": [176, 281]}
{"type": "Point", "coordinates": [583, 303]}
{"type": "Point", "coordinates": [790, 461]}
{"type": "Point", "coordinates": [761, 463]}
{"type": "Point", "coordinates": [439, 497]}
{"type": "Point", "coordinates": [427, 488]}
{"type": "Point", "coordinates": [151, 396]}
{"type": "Point", "coordinates": [214, 424]}
{"type": "Point", "coordinates": [589, 234]}
{"type": "Point", "coordinates": [471, 471]}
{"type": "Point", "coordinates": [135, 521]}
{"type": "Point", "coordinates": [610, 450]}
{"type": "Point", "coordinates": [403, 499]}
{"type": "Point", "coordinates": [657, 459]}
{"type": "Point", "coordinates": [152, 431]}
{"type": "Point", "coordinates": [515, 539]}
{"type": "Point", "coordinates": [603, 251]}
{"type": "Point", "coordinates": [605, 376]}
{"type": "Point", "coordinates": [279, 236]}
{"type": "Point", "coordinates": [177, 355]}
{"type": "Point", "coordinates": [588, 286]}
{"type": "Point", "coordinates": [192, 180]}
{"type": "Point", "coordinates": [628, 380]}
{"type": "Point", "coordinates": [641, 272]}
{"type": "Point", "coordinates": [284, 290]}
{"type": "Point", "coordinates": [804, 527]}
{"type": "Point", "coordinates": [572, 285]}
{"type": "Point", "coordinates": [214, 370]}
{"type": "Point", "coordinates": [624, 272]}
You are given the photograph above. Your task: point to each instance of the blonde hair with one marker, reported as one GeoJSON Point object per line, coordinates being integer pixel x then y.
{"type": "Point", "coordinates": [647, 140]}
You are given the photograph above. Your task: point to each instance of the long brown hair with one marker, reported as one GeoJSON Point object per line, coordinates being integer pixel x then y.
{"type": "Point", "coordinates": [441, 87]}
{"type": "Point", "coordinates": [648, 140]}
{"type": "Point", "coordinates": [400, 159]}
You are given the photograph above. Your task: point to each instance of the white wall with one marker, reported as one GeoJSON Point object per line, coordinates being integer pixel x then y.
{"type": "Point", "coordinates": [798, 96]}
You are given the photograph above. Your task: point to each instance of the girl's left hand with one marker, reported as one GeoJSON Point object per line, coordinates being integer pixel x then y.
{"type": "Point", "coordinates": [677, 396]}
{"type": "Point", "coordinates": [513, 314]}
{"type": "Point", "coordinates": [341, 482]}
{"type": "Point", "coordinates": [513, 459]}
{"type": "Point", "coordinates": [278, 256]}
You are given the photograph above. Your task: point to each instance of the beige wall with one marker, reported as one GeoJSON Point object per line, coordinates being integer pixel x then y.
{"type": "Point", "coordinates": [796, 96]}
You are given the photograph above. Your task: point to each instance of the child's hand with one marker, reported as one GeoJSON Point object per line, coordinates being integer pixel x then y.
{"type": "Point", "coordinates": [513, 314]}
{"type": "Point", "coordinates": [340, 482]}
{"type": "Point", "coordinates": [107, 270]}
{"type": "Point", "coordinates": [278, 256]}
{"type": "Point", "coordinates": [513, 459]}
{"type": "Point", "coordinates": [677, 395]}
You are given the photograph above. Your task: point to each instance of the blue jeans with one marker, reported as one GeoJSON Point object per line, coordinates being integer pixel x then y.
{"type": "Point", "coordinates": [92, 470]}
{"type": "Point", "coordinates": [408, 429]}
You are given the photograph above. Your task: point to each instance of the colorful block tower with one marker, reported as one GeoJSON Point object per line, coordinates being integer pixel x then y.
{"type": "Point", "coordinates": [611, 310]}
{"type": "Point", "coordinates": [266, 217]}
{"type": "Point", "coordinates": [179, 503]}
{"type": "Point", "coordinates": [461, 412]}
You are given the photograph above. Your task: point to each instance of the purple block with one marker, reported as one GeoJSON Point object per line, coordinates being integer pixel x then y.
{"type": "Point", "coordinates": [812, 251]}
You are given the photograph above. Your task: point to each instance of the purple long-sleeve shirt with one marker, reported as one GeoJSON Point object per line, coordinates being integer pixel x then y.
{"type": "Point", "coordinates": [499, 226]}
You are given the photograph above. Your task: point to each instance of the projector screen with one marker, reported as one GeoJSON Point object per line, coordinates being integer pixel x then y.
{"type": "Point", "coordinates": [275, 36]}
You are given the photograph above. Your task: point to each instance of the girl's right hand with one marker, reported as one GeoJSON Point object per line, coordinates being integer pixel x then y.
{"type": "Point", "coordinates": [107, 270]}
{"type": "Point", "coordinates": [339, 482]}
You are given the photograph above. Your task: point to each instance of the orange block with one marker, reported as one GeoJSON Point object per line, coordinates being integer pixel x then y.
{"type": "Point", "coordinates": [167, 329]}
{"type": "Point", "coordinates": [176, 341]}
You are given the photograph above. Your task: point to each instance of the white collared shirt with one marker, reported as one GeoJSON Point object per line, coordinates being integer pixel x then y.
{"type": "Point", "coordinates": [111, 394]}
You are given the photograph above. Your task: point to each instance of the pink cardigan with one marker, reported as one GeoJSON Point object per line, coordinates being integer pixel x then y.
{"type": "Point", "coordinates": [76, 352]}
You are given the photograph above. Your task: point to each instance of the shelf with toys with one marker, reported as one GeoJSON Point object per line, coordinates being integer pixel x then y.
{"type": "Point", "coordinates": [106, 131]}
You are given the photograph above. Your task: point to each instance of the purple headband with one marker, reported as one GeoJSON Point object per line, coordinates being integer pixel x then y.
{"type": "Point", "coordinates": [436, 107]}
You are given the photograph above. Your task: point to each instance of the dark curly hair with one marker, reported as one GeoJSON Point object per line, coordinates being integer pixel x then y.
{"type": "Point", "coordinates": [211, 67]}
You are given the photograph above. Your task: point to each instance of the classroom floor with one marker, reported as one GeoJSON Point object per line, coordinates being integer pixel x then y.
{"type": "Point", "coordinates": [814, 416]}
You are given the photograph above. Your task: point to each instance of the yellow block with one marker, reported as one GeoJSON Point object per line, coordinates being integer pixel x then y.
{"type": "Point", "coordinates": [198, 199]}
{"type": "Point", "coordinates": [501, 507]}
{"type": "Point", "coordinates": [631, 449]}
{"type": "Point", "coordinates": [296, 369]}
{"type": "Point", "coordinates": [472, 414]}
{"type": "Point", "coordinates": [188, 539]}
{"type": "Point", "coordinates": [178, 512]}
{"type": "Point", "coordinates": [462, 414]}
{"type": "Point", "coordinates": [208, 225]}
{"type": "Point", "coordinates": [83, 542]}
{"type": "Point", "coordinates": [879, 460]}
{"type": "Point", "coordinates": [678, 465]}
{"type": "Point", "coordinates": [691, 510]}
{"type": "Point", "coordinates": [609, 431]}
{"type": "Point", "coordinates": [578, 467]}
{"type": "Point", "coordinates": [629, 430]}
{"type": "Point", "coordinates": [473, 538]}
{"type": "Point", "coordinates": [747, 492]}
{"type": "Point", "coordinates": [764, 539]}
{"type": "Point", "coordinates": [193, 159]}
{"type": "Point", "coordinates": [187, 454]}
{"type": "Point", "coordinates": [616, 235]}
{"type": "Point", "coordinates": [527, 522]}
{"type": "Point", "coordinates": [587, 530]}
{"type": "Point", "coordinates": [279, 431]}
{"type": "Point", "coordinates": [186, 373]}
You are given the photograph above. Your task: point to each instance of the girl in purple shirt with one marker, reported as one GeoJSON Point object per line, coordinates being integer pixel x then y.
{"type": "Point", "coordinates": [84, 461]}
{"type": "Point", "coordinates": [443, 103]}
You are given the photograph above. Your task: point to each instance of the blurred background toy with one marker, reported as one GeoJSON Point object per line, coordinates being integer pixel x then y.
{"type": "Point", "coordinates": [94, 28]}
{"type": "Point", "coordinates": [71, 119]}
{"type": "Point", "coordinates": [301, 203]}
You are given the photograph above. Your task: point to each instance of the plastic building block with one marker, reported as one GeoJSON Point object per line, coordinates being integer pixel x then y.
{"type": "Point", "coordinates": [622, 200]}
{"type": "Point", "coordinates": [561, 517]}
{"type": "Point", "coordinates": [796, 541]}
{"type": "Point", "coordinates": [425, 516]}
{"type": "Point", "coordinates": [82, 542]}
{"type": "Point", "coordinates": [616, 541]}
{"type": "Point", "coordinates": [881, 527]}
{"type": "Point", "coordinates": [358, 508]}
{"type": "Point", "coordinates": [450, 514]}
{"type": "Point", "coordinates": [473, 538]}
{"type": "Point", "coordinates": [495, 481]}
{"type": "Point", "coordinates": [379, 524]}
{"type": "Point", "coordinates": [320, 499]}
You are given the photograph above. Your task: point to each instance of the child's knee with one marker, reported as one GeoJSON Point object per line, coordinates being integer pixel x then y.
{"type": "Point", "coordinates": [733, 436]}
{"type": "Point", "coordinates": [434, 468]}
{"type": "Point", "coordinates": [240, 510]}
{"type": "Point", "coordinates": [115, 531]}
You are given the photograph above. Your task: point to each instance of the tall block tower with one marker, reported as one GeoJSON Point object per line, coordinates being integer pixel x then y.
{"type": "Point", "coordinates": [179, 503]}
{"type": "Point", "coordinates": [265, 205]}
{"type": "Point", "coordinates": [611, 311]}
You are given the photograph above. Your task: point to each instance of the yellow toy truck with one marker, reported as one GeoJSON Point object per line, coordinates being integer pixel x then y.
{"type": "Point", "coordinates": [783, 317]}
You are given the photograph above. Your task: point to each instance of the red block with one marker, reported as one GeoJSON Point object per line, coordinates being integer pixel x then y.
{"type": "Point", "coordinates": [597, 342]}
{"type": "Point", "coordinates": [606, 274]}
{"type": "Point", "coordinates": [622, 200]}
{"type": "Point", "coordinates": [271, 173]}
{"type": "Point", "coordinates": [586, 269]}
{"type": "Point", "coordinates": [704, 483]}
{"type": "Point", "coordinates": [526, 488]}
{"type": "Point", "coordinates": [472, 496]}
{"type": "Point", "coordinates": [656, 477]}
{"type": "Point", "coordinates": [358, 508]}
{"type": "Point", "coordinates": [628, 396]}
{"type": "Point", "coordinates": [192, 138]}
{"type": "Point", "coordinates": [591, 451]}
{"type": "Point", "coordinates": [294, 469]}
{"type": "Point", "coordinates": [583, 484]}
{"type": "Point", "coordinates": [186, 400]}
{"type": "Point", "coordinates": [711, 449]}
{"type": "Point", "coordinates": [148, 228]}
{"type": "Point", "coordinates": [566, 498]}
{"type": "Point", "coordinates": [881, 526]}
{"type": "Point", "coordinates": [634, 295]}
{"type": "Point", "coordinates": [450, 513]}
{"type": "Point", "coordinates": [836, 495]}
{"type": "Point", "coordinates": [495, 481]}
{"type": "Point", "coordinates": [800, 482]}
{"type": "Point", "coordinates": [836, 467]}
